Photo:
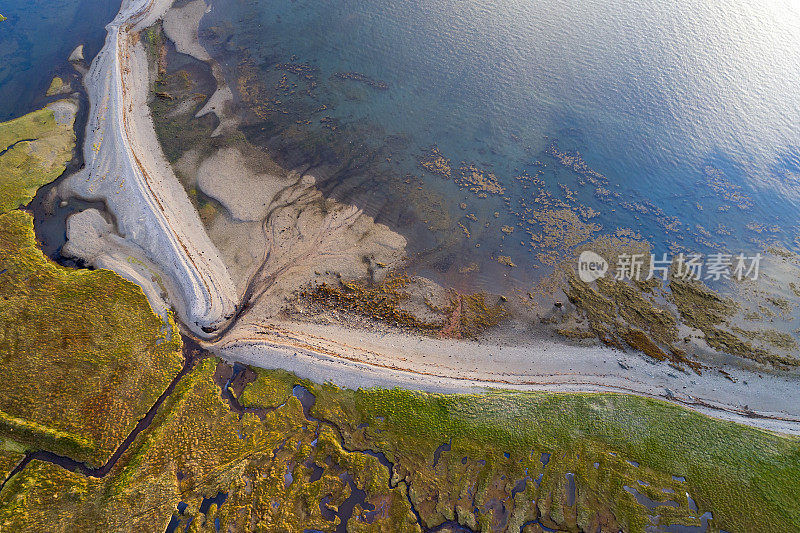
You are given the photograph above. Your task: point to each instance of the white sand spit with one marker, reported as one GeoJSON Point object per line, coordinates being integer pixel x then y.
{"type": "Point", "coordinates": [125, 167]}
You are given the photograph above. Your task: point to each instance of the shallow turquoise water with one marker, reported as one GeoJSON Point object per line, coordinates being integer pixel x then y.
{"type": "Point", "coordinates": [36, 41]}
{"type": "Point", "coordinates": [690, 109]}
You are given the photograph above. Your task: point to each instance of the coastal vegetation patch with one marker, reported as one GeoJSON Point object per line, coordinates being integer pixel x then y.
{"type": "Point", "coordinates": [208, 462]}
{"type": "Point", "coordinates": [82, 354]}
{"type": "Point", "coordinates": [58, 86]}
{"type": "Point", "coordinates": [286, 454]}
{"type": "Point", "coordinates": [34, 150]}
{"type": "Point", "coordinates": [463, 454]}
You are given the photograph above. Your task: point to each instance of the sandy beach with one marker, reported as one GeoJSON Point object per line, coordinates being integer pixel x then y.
{"type": "Point", "coordinates": [157, 225]}
{"type": "Point", "coordinates": [126, 169]}
{"type": "Point", "coordinates": [359, 358]}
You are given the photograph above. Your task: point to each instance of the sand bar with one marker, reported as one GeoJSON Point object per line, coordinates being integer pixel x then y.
{"type": "Point", "coordinates": [126, 168]}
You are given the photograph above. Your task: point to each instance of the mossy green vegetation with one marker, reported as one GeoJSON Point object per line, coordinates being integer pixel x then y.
{"type": "Point", "coordinates": [83, 356]}
{"type": "Point", "coordinates": [745, 477]}
{"type": "Point", "coordinates": [57, 86]}
{"type": "Point", "coordinates": [198, 447]}
{"type": "Point", "coordinates": [270, 391]}
{"type": "Point", "coordinates": [35, 150]}
{"type": "Point", "coordinates": [11, 453]}
{"type": "Point", "coordinates": [492, 462]}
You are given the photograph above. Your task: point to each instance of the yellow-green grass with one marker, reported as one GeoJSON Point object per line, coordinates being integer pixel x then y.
{"type": "Point", "coordinates": [82, 355]}
{"type": "Point", "coordinates": [56, 86]}
{"type": "Point", "coordinates": [748, 478]}
{"type": "Point", "coordinates": [27, 165]}
{"type": "Point", "coordinates": [11, 453]}
{"type": "Point", "coordinates": [196, 434]}
{"type": "Point", "coordinates": [270, 389]}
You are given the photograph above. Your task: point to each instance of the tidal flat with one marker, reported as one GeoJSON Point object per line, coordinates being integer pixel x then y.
{"type": "Point", "coordinates": [222, 128]}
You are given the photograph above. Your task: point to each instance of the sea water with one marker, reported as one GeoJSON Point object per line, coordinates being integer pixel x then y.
{"type": "Point", "coordinates": [36, 41]}
{"type": "Point", "coordinates": [690, 110]}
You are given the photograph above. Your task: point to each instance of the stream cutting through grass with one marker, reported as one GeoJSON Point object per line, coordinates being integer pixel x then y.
{"type": "Point", "coordinates": [192, 353]}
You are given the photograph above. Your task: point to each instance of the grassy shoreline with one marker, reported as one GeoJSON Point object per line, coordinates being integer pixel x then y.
{"type": "Point", "coordinates": [492, 461]}
{"type": "Point", "coordinates": [82, 354]}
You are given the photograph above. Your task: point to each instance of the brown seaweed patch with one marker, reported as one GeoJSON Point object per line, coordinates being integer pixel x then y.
{"type": "Point", "coordinates": [638, 340]}
{"type": "Point", "coordinates": [730, 192]}
{"type": "Point", "coordinates": [778, 339]}
{"type": "Point", "coordinates": [378, 301]}
{"type": "Point", "coordinates": [505, 260]}
{"type": "Point", "coordinates": [559, 229]}
{"type": "Point", "coordinates": [638, 310]}
{"type": "Point", "coordinates": [698, 305]}
{"type": "Point", "coordinates": [362, 78]}
{"type": "Point", "coordinates": [478, 181]}
{"type": "Point", "coordinates": [620, 314]}
{"type": "Point", "coordinates": [470, 315]}
{"type": "Point", "coordinates": [795, 289]}
{"type": "Point", "coordinates": [390, 302]}
{"type": "Point", "coordinates": [704, 309]}
{"type": "Point", "coordinates": [435, 163]}
{"type": "Point", "coordinates": [574, 161]}
{"type": "Point", "coordinates": [757, 227]}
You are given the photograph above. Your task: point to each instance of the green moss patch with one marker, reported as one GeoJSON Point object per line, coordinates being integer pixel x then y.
{"type": "Point", "coordinates": [453, 457]}
{"type": "Point", "coordinates": [82, 354]}
{"type": "Point", "coordinates": [37, 150]}
{"type": "Point", "coordinates": [747, 478]}
{"type": "Point", "coordinates": [198, 448]}
{"type": "Point", "coordinates": [57, 86]}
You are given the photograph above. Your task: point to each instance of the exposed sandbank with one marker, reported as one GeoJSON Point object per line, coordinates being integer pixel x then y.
{"type": "Point", "coordinates": [126, 169]}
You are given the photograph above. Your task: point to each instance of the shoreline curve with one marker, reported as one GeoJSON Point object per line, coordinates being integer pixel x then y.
{"type": "Point", "coordinates": [156, 217]}
{"type": "Point", "coordinates": [126, 168]}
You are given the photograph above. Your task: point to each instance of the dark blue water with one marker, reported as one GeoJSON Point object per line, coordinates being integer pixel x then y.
{"type": "Point", "coordinates": [36, 41]}
{"type": "Point", "coordinates": [689, 110]}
